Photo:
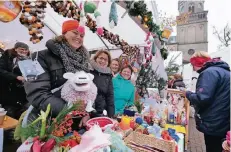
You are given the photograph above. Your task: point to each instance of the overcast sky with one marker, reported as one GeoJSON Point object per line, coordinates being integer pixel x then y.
{"type": "Point", "coordinates": [219, 14]}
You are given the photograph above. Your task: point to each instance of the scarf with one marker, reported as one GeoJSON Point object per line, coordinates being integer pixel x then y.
{"type": "Point", "coordinates": [73, 60]}
{"type": "Point", "coordinates": [96, 67]}
{"type": "Point", "coordinates": [199, 61]}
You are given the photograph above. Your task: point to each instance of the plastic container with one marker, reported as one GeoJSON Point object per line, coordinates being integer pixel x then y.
{"type": "Point", "coordinates": [103, 122]}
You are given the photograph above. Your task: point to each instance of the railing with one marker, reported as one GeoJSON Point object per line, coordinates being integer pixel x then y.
{"type": "Point", "coordinates": [198, 16]}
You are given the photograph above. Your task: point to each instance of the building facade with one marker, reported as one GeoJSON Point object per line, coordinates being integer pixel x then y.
{"type": "Point", "coordinates": [192, 30]}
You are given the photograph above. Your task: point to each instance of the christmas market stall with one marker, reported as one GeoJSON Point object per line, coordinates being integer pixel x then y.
{"type": "Point", "coordinates": [158, 120]}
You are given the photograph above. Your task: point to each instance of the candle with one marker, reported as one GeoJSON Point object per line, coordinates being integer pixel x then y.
{"type": "Point", "coordinates": [125, 123]}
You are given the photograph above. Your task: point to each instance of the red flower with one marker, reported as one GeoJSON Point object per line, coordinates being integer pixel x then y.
{"type": "Point", "coordinates": [69, 142]}
{"type": "Point", "coordinates": [36, 147]}
{"type": "Point", "coordinates": [49, 145]}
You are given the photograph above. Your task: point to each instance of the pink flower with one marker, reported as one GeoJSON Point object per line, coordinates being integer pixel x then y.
{"type": "Point", "coordinates": [100, 31]}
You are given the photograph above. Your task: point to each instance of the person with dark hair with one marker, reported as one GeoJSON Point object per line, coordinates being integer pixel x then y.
{"type": "Point", "coordinates": [124, 90]}
{"type": "Point", "coordinates": [13, 96]}
{"type": "Point", "coordinates": [65, 53]}
{"type": "Point", "coordinates": [115, 67]}
{"type": "Point", "coordinates": [103, 81]}
{"type": "Point", "coordinates": [178, 81]}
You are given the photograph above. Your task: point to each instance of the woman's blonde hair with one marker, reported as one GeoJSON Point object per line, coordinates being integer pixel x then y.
{"type": "Point", "coordinates": [177, 76]}
{"type": "Point", "coordinates": [98, 53]}
{"type": "Point", "coordinates": [201, 54]}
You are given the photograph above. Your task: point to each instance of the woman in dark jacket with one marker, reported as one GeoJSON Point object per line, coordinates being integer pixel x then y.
{"type": "Point", "coordinates": [65, 53]}
{"type": "Point", "coordinates": [13, 96]}
{"type": "Point", "coordinates": [103, 80]}
{"type": "Point", "coordinates": [211, 99]}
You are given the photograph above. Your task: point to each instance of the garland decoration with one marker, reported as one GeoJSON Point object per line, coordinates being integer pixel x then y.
{"type": "Point", "coordinates": [140, 10]}
{"type": "Point", "coordinates": [32, 17]}
{"type": "Point", "coordinates": [71, 10]}
{"type": "Point", "coordinates": [65, 8]}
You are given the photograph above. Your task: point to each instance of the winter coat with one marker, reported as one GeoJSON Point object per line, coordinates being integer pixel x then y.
{"type": "Point", "coordinates": [12, 92]}
{"type": "Point", "coordinates": [178, 83]}
{"type": "Point", "coordinates": [212, 99]}
{"type": "Point", "coordinates": [39, 92]}
{"type": "Point", "coordinates": [124, 93]}
{"type": "Point", "coordinates": [105, 94]}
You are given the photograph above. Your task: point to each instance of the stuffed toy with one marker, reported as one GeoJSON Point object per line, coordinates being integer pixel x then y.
{"type": "Point", "coordinates": [32, 17]}
{"type": "Point", "coordinates": [79, 86]}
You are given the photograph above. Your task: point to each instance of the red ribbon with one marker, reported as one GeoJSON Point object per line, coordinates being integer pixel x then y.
{"type": "Point", "coordinates": [199, 61]}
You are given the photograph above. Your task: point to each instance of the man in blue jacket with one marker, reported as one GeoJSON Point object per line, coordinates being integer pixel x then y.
{"type": "Point", "coordinates": [211, 99]}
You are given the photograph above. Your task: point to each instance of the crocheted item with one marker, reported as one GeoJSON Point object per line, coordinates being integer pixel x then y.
{"type": "Point", "coordinates": [79, 87]}
{"type": "Point", "coordinates": [73, 60]}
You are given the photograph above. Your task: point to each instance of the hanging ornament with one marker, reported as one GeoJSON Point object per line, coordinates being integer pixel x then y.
{"type": "Point", "coordinates": [32, 17]}
{"type": "Point", "coordinates": [81, 27]}
{"type": "Point", "coordinates": [153, 49]}
{"type": "Point", "coordinates": [145, 25]}
{"type": "Point", "coordinates": [124, 60]}
{"type": "Point", "coordinates": [166, 33]}
{"type": "Point", "coordinates": [112, 24]}
{"type": "Point", "coordinates": [9, 10]}
{"type": "Point", "coordinates": [145, 19]}
{"type": "Point", "coordinates": [158, 43]}
{"type": "Point", "coordinates": [90, 6]}
{"type": "Point", "coordinates": [139, 17]}
{"type": "Point", "coordinates": [113, 16]}
{"type": "Point", "coordinates": [99, 27]}
{"type": "Point", "coordinates": [65, 8]}
{"type": "Point", "coordinates": [164, 53]}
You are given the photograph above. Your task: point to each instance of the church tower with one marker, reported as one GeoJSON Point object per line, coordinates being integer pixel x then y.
{"type": "Point", "coordinates": [192, 35]}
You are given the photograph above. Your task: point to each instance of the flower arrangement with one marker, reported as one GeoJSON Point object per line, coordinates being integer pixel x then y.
{"type": "Point", "coordinates": [46, 134]}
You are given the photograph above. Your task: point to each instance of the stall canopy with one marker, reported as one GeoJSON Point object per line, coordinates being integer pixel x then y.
{"type": "Point", "coordinates": [127, 29]}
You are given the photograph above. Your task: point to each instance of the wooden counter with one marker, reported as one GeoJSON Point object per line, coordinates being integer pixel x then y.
{"type": "Point", "coordinates": [9, 123]}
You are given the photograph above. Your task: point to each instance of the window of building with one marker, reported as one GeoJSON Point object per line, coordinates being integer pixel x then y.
{"type": "Point", "coordinates": [191, 8]}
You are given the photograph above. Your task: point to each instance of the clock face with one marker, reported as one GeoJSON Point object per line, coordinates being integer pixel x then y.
{"type": "Point", "coordinates": [9, 4]}
{"type": "Point", "coordinates": [191, 51]}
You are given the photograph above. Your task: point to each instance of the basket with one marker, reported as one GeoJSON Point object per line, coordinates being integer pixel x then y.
{"type": "Point", "coordinates": [103, 122]}
{"type": "Point", "coordinates": [158, 145]}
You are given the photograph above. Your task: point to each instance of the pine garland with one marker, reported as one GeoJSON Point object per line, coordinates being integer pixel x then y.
{"type": "Point", "coordinates": [140, 9]}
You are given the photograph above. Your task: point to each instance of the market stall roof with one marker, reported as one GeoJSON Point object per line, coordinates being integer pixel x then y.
{"type": "Point", "coordinates": [127, 29]}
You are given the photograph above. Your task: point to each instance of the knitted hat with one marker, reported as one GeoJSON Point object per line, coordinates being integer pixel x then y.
{"type": "Point", "coordinates": [21, 45]}
{"type": "Point", "coordinates": [69, 25]}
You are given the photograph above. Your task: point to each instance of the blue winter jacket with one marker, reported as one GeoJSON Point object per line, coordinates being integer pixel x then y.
{"type": "Point", "coordinates": [124, 93]}
{"type": "Point", "coordinates": [212, 99]}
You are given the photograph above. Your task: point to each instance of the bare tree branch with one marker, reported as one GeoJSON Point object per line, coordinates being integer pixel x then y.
{"type": "Point", "coordinates": [223, 36]}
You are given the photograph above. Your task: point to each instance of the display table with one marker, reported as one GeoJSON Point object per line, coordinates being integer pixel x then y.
{"type": "Point", "coordinates": [187, 107]}
{"type": "Point", "coordinates": [9, 123]}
